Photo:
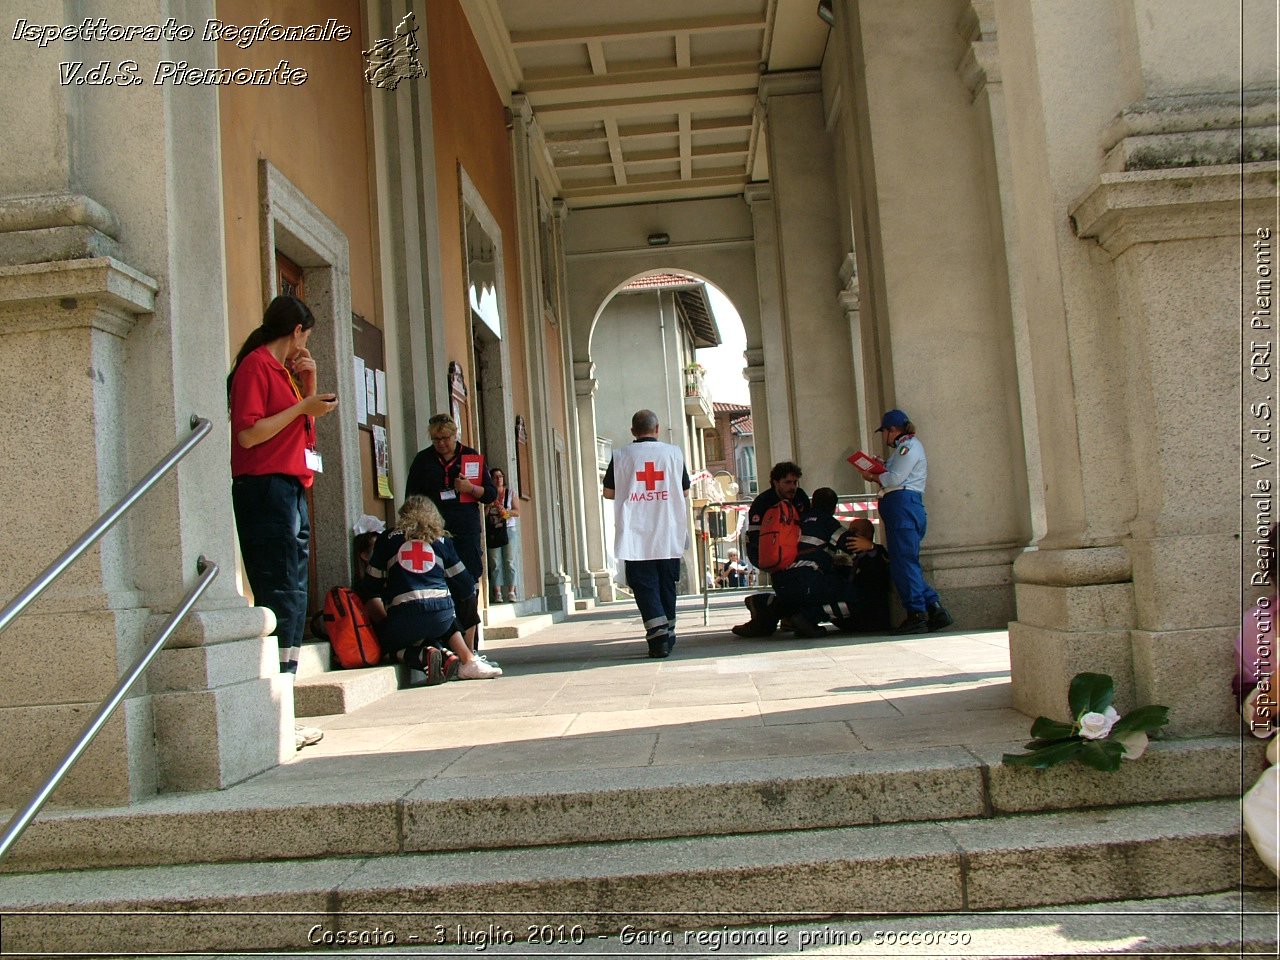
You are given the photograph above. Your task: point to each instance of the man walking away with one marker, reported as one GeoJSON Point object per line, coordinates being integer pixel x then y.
{"type": "Point", "coordinates": [651, 525]}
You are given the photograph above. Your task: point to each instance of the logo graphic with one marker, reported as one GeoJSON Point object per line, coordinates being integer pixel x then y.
{"type": "Point", "coordinates": [395, 59]}
{"type": "Point", "coordinates": [416, 556]}
{"type": "Point", "coordinates": [649, 476]}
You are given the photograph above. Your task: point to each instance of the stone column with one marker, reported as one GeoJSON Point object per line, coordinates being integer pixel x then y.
{"type": "Point", "coordinates": [768, 361]}
{"type": "Point", "coordinates": [111, 310]}
{"type": "Point", "coordinates": [555, 580]}
{"type": "Point", "coordinates": [807, 234]}
{"type": "Point", "coordinates": [585, 387]}
{"type": "Point", "coordinates": [980, 70]}
{"type": "Point", "coordinates": [1134, 262]}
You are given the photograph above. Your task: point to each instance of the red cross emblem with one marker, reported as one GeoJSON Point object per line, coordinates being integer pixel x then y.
{"type": "Point", "coordinates": [649, 476]}
{"type": "Point", "coordinates": [416, 556]}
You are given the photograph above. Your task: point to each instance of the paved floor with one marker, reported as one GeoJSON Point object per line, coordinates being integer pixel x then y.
{"type": "Point", "coordinates": [582, 694]}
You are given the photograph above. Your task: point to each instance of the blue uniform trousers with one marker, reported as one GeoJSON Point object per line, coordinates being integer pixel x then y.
{"type": "Point", "coordinates": [902, 512]}
{"type": "Point", "coordinates": [653, 582]}
{"type": "Point", "coordinates": [275, 537]}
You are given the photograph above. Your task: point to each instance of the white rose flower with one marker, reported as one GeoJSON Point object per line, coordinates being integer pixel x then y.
{"type": "Point", "coordinates": [1095, 726]}
{"type": "Point", "coordinates": [1135, 744]}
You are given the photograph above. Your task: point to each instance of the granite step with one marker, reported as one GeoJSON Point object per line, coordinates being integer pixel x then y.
{"type": "Point", "coordinates": [597, 889]}
{"type": "Point", "coordinates": [353, 805]}
{"type": "Point", "coordinates": [342, 691]}
{"type": "Point", "coordinates": [518, 627]}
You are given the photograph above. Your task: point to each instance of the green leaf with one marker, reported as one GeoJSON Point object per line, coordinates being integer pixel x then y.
{"type": "Point", "coordinates": [1145, 719]}
{"type": "Point", "coordinates": [1046, 756]}
{"type": "Point", "coordinates": [1046, 729]}
{"type": "Point", "coordinates": [1090, 693]}
{"type": "Point", "coordinates": [1041, 743]}
{"type": "Point", "coordinates": [1102, 755]}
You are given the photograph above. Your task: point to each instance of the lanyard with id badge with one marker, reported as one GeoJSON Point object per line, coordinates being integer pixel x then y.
{"type": "Point", "coordinates": [315, 463]}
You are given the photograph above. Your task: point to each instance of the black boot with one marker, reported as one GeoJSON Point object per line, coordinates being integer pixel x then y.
{"type": "Point", "coordinates": [917, 622]}
{"type": "Point", "coordinates": [939, 619]}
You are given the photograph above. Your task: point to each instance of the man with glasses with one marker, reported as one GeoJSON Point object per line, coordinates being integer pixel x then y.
{"type": "Point", "coordinates": [456, 478]}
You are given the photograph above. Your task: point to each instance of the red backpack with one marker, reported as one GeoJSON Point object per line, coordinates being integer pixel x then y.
{"type": "Point", "coordinates": [779, 537]}
{"type": "Point", "coordinates": [350, 633]}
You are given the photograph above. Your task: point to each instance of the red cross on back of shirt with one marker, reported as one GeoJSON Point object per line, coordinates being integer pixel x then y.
{"type": "Point", "coordinates": [416, 556]}
{"type": "Point", "coordinates": [650, 476]}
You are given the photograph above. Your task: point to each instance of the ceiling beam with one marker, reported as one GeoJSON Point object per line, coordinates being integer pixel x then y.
{"type": "Point", "coordinates": [683, 50]}
{"type": "Point", "coordinates": [632, 131]}
{"type": "Point", "coordinates": [637, 31]}
{"type": "Point", "coordinates": [686, 141]}
{"type": "Point", "coordinates": [654, 156]}
{"type": "Point", "coordinates": [739, 101]}
{"type": "Point", "coordinates": [650, 83]}
{"type": "Point", "coordinates": [595, 50]}
{"type": "Point", "coordinates": [615, 152]}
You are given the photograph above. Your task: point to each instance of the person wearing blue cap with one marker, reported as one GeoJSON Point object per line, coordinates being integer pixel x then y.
{"type": "Point", "coordinates": [902, 511]}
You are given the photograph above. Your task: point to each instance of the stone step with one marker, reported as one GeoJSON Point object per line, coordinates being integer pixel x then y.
{"type": "Point", "coordinates": [960, 866]}
{"type": "Point", "coordinates": [342, 691]}
{"type": "Point", "coordinates": [314, 658]}
{"type": "Point", "coordinates": [382, 806]}
{"type": "Point", "coordinates": [519, 627]}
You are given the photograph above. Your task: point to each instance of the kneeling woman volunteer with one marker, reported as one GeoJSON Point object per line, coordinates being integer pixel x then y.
{"type": "Point", "coordinates": [272, 395]}
{"type": "Point", "coordinates": [416, 571]}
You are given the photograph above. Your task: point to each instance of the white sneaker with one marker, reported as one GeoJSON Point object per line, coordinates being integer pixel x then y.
{"type": "Point", "coordinates": [492, 663]}
{"type": "Point", "coordinates": [478, 669]}
{"type": "Point", "coordinates": [306, 736]}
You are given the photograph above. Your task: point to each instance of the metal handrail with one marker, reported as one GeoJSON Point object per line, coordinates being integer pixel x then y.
{"type": "Point", "coordinates": [207, 570]}
{"type": "Point", "coordinates": [200, 429]}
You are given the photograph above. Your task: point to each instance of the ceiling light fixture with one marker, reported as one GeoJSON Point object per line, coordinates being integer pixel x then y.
{"type": "Point", "coordinates": [825, 13]}
{"type": "Point", "coordinates": [659, 239]}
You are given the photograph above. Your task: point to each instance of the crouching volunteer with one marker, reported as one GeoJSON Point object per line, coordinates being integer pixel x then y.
{"type": "Point", "coordinates": [651, 525]}
{"type": "Point", "coordinates": [416, 572]}
{"type": "Point", "coordinates": [902, 512]}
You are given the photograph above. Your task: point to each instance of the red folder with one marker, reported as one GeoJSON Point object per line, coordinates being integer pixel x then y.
{"type": "Point", "coordinates": [472, 469]}
{"type": "Point", "coordinates": [865, 461]}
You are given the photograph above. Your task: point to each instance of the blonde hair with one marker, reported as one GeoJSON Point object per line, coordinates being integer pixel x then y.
{"type": "Point", "coordinates": [419, 519]}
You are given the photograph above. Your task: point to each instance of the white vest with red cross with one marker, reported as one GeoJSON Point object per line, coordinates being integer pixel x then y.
{"type": "Point", "coordinates": [651, 520]}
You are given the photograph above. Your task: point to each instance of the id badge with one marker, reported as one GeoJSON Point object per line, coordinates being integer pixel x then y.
{"type": "Point", "coordinates": [314, 461]}
{"type": "Point", "coordinates": [448, 494]}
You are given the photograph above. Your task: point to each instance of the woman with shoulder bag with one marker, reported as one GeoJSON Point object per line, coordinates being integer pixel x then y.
{"type": "Point", "coordinates": [500, 522]}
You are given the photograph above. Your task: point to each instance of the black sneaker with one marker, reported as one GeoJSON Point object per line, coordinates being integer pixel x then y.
{"type": "Point", "coordinates": [658, 649]}
{"type": "Point", "coordinates": [805, 628]}
{"type": "Point", "coordinates": [754, 629]}
{"type": "Point", "coordinates": [939, 619]}
{"type": "Point", "coordinates": [917, 622]}
{"type": "Point", "coordinates": [435, 667]}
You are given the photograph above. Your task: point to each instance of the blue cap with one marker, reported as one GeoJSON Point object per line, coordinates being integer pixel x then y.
{"type": "Point", "coordinates": [893, 418]}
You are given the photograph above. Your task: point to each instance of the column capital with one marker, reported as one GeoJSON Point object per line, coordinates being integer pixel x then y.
{"type": "Point", "coordinates": [789, 83]}
{"type": "Point", "coordinates": [1195, 130]}
{"type": "Point", "coordinates": [1153, 205]}
{"type": "Point", "coordinates": [101, 293]}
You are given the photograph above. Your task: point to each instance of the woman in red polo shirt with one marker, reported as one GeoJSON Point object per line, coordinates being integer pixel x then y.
{"type": "Point", "coordinates": [272, 393]}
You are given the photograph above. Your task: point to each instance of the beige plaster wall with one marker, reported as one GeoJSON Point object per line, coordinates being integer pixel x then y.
{"type": "Point", "coordinates": [1193, 46]}
{"type": "Point", "coordinates": [314, 133]}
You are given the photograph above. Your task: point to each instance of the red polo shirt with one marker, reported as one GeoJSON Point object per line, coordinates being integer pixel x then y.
{"type": "Point", "coordinates": [262, 387]}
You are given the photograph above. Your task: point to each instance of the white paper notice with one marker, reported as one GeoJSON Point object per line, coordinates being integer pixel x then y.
{"type": "Point", "coordinates": [370, 393]}
{"type": "Point", "coordinates": [362, 409]}
{"type": "Point", "coordinates": [381, 376]}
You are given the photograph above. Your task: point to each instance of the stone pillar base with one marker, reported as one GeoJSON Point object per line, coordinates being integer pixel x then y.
{"type": "Point", "coordinates": [223, 712]}
{"type": "Point", "coordinates": [1075, 615]}
{"type": "Point", "coordinates": [558, 593]}
{"type": "Point", "coordinates": [976, 586]}
{"type": "Point", "coordinates": [605, 589]}
{"type": "Point", "coordinates": [118, 768]}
